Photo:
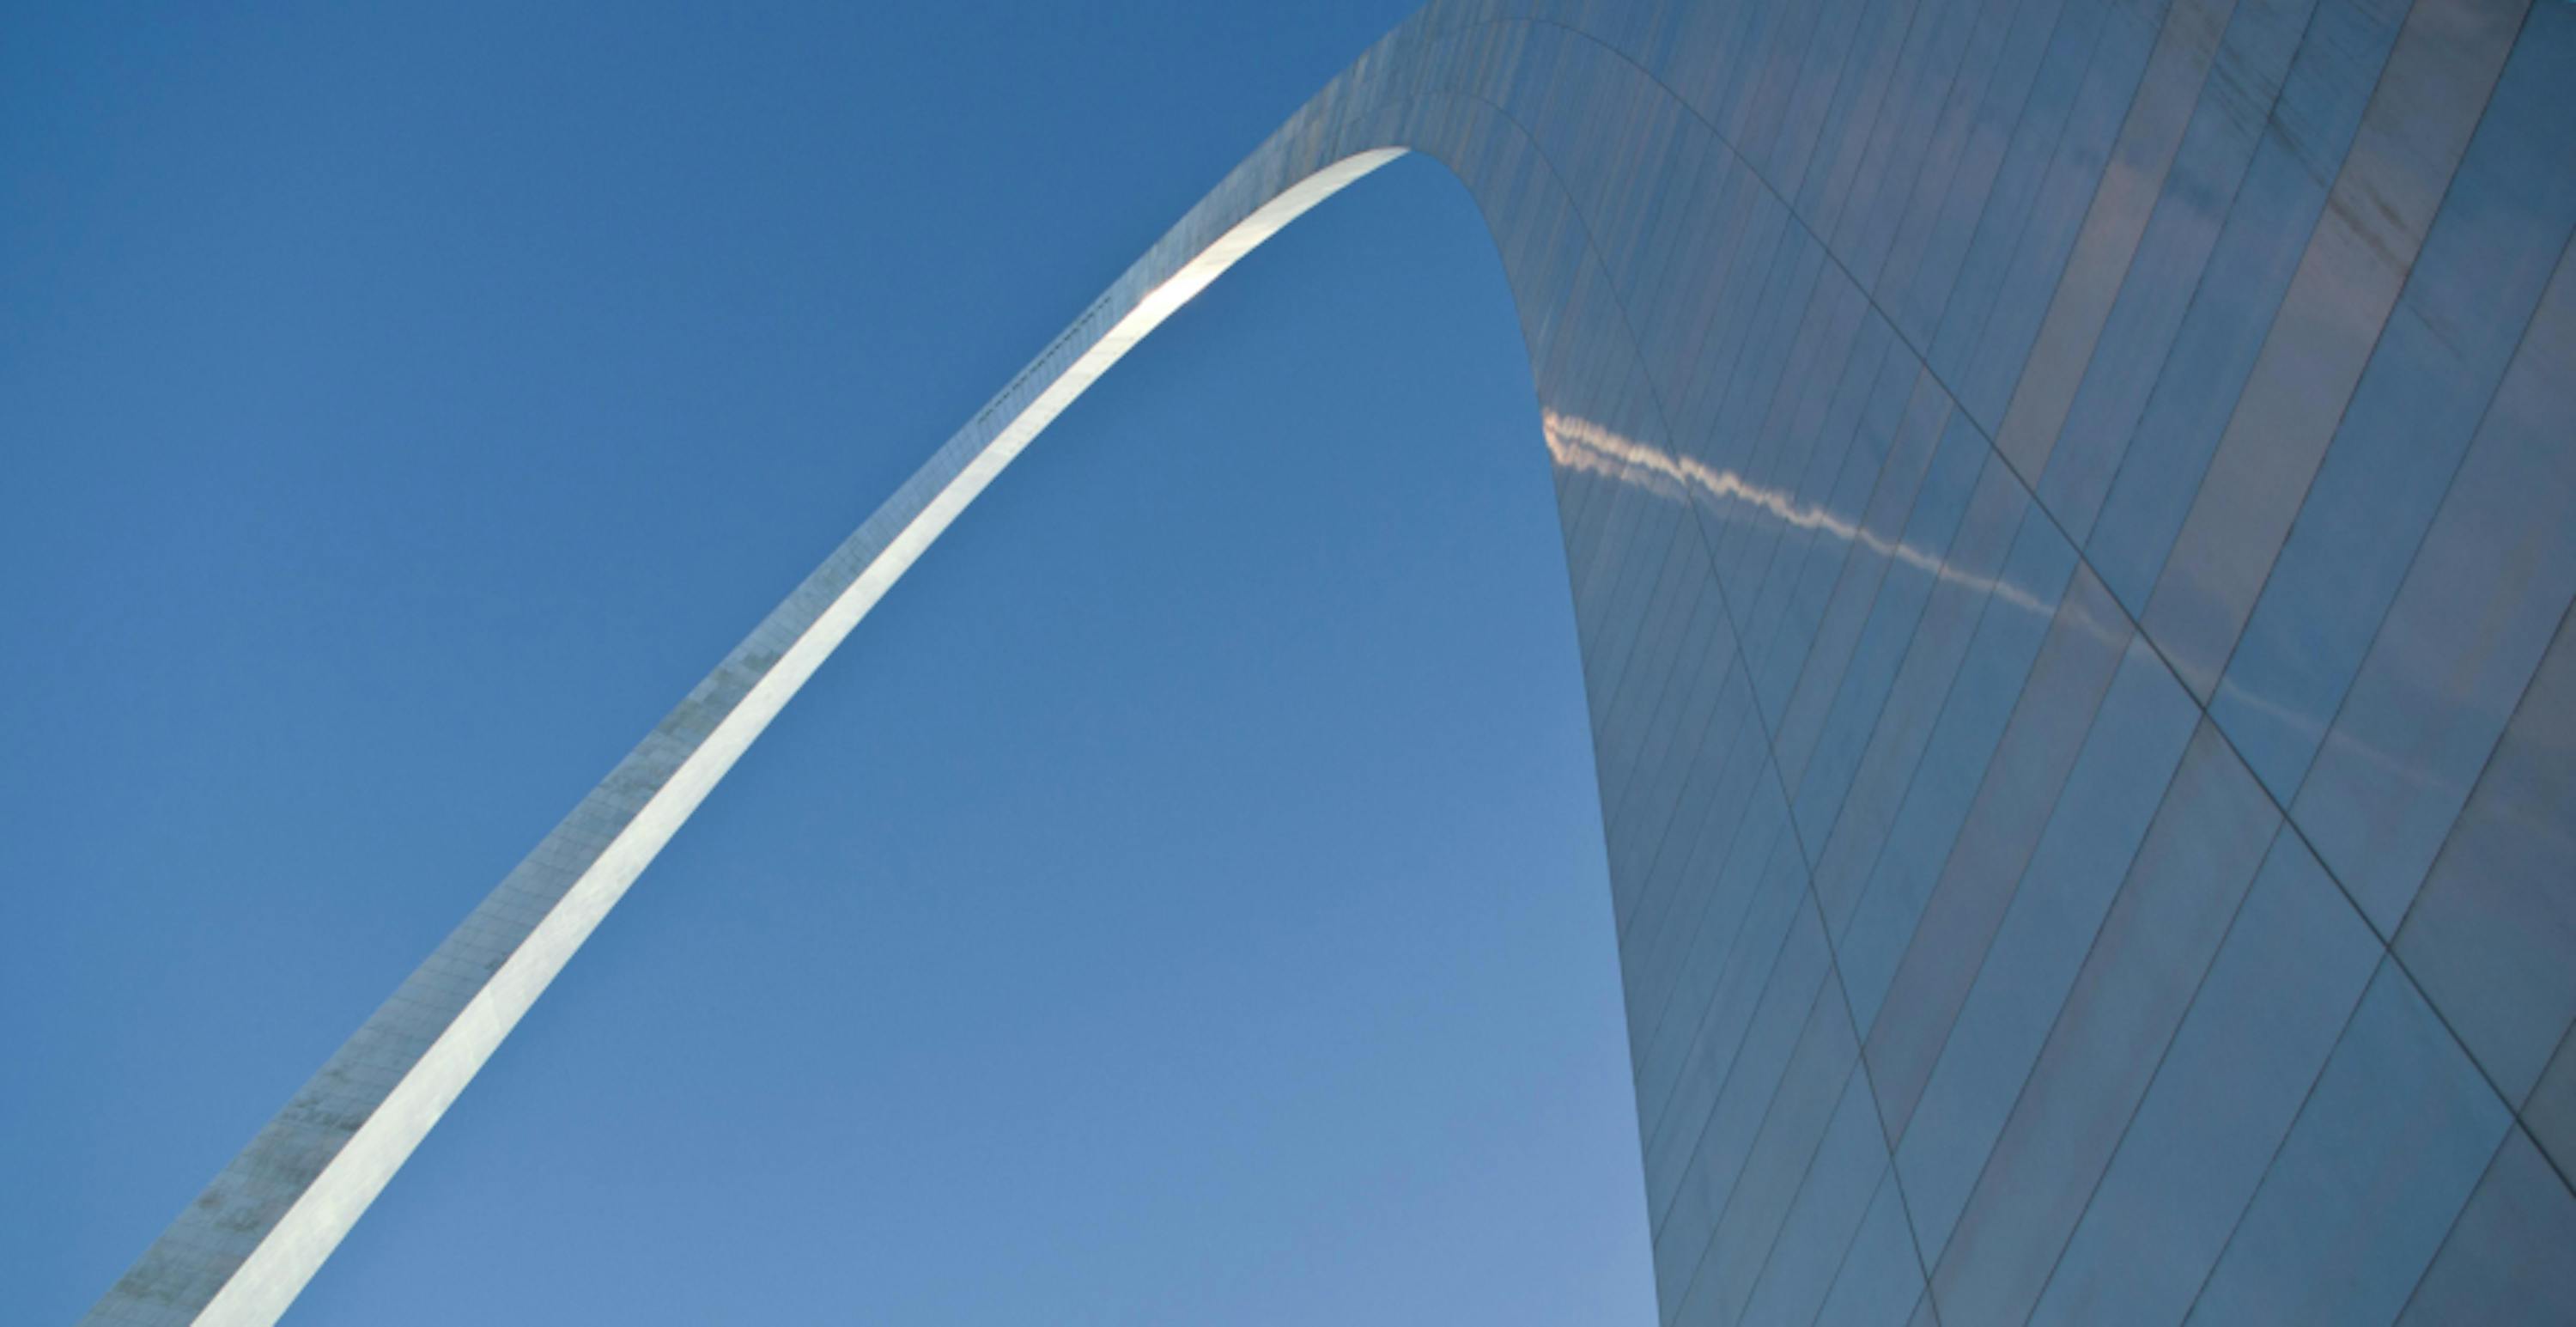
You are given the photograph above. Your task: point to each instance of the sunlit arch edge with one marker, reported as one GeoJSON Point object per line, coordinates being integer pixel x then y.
{"type": "Point", "coordinates": [247, 1246]}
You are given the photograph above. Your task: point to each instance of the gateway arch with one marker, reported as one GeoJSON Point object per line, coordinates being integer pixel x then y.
{"type": "Point", "coordinates": [2072, 517]}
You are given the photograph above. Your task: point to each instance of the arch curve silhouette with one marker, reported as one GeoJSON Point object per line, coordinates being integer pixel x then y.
{"type": "Point", "coordinates": [2025, 471]}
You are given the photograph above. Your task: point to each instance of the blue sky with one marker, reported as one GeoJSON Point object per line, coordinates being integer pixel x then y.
{"type": "Point", "coordinates": [1181, 901]}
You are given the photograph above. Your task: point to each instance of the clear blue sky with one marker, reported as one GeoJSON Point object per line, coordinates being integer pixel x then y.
{"type": "Point", "coordinates": [1181, 902]}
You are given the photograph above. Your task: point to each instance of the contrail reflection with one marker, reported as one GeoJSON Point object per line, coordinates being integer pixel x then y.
{"type": "Point", "coordinates": [1581, 444]}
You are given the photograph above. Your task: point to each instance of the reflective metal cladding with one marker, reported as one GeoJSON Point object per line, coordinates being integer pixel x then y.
{"type": "Point", "coordinates": [2072, 517]}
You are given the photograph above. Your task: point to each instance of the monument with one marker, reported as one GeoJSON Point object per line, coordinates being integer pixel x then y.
{"type": "Point", "coordinates": [2072, 518]}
